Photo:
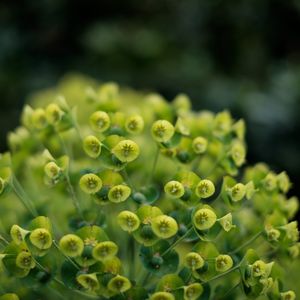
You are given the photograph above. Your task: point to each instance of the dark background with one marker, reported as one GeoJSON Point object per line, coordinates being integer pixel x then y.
{"type": "Point", "coordinates": [241, 55]}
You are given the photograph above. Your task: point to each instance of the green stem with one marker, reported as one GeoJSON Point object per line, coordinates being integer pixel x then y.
{"type": "Point", "coordinates": [177, 241]}
{"type": "Point", "coordinates": [127, 178]}
{"type": "Point", "coordinates": [231, 290]}
{"type": "Point", "coordinates": [246, 243]}
{"type": "Point", "coordinates": [223, 274]}
{"type": "Point", "coordinates": [26, 201]}
{"type": "Point", "coordinates": [4, 239]}
{"type": "Point", "coordinates": [66, 256]}
{"type": "Point", "coordinates": [154, 163]}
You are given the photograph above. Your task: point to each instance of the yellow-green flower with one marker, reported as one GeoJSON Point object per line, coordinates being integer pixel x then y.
{"type": "Point", "coordinates": [71, 245]}
{"type": "Point", "coordinates": [90, 183]}
{"type": "Point", "coordinates": [164, 226]}
{"type": "Point", "coordinates": [205, 188]}
{"type": "Point", "coordinates": [204, 219]}
{"type": "Point", "coordinates": [223, 263]}
{"type": "Point", "coordinates": [119, 284]}
{"type": "Point", "coordinates": [104, 250]}
{"type": "Point", "coordinates": [100, 121]}
{"type": "Point", "coordinates": [199, 145]}
{"type": "Point", "coordinates": [88, 281]}
{"type": "Point", "coordinates": [162, 131]}
{"type": "Point", "coordinates": [119, 193]}
{"type": "Point", "coordinates": [126, 151]}
{"type": "Point", "coordinates": [41, 238]}
{"type": "Point", "coordinates": [174, 189]}
{"type": "Point", "coordinates": [194, 260]}
{"type": "Point", "coordinates": [162, 296]}
{"type": "Point", "coordinates": [193, 291]}
{"type": "Point", "coordinates": [92, 146]}
{"type": "Point", "coordinates": [128, 221]}
{"type": "Point", "coordinates": [25, 260]}
{"type": "Point", "coordinates": [134, 124]}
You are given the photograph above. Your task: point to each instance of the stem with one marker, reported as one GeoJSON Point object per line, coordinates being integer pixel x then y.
{"type": "Point", "coordinates": [231, 290]}
{"type": "Point", "coordinates": [246, 243]}
{"type": "Point", "coordinates": [4, 239]}
{"type": "Point", "coordinates": [73, 195]}
{"type": "Point", "coordinates": [125, 174]}
{"type": "Point", "coordinates": [177, 241]}
{"type": "Point", "coordinates": [223, 274]}
{"type": "Point", "coordinates": [154, 163]}
{"type": "Point", "coordinates": [66, 256]}
{"type": "Point", "coordinates": [26, 201]}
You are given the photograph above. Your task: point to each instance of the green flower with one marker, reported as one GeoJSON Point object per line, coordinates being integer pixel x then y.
{"type": "Point", "coordinates": [92, 146]}
{"type": "Point", "coordinates": [53, 113]}
{"type": "Point", "coordinates": [88, 281]}
{"type": "Point", "coordinates": [283, 182]}
{"type": "Point", "coordinates": [119, 284]}
{"type": "Point", "coordinates": [204, 219]}
{"type": "Point", "coordinates": [126, 151]}
{"type": "Point", "coordinates": [39, 119]}
{"type": "Point", "coordinates": [258, 268]}
{"type": "Point", "coordinates": [238, 153]}
{"type": "Point", "coordinates": [119, 193]}
{"type": "Point", "coordinates": [226, 222]}
{"type": "Point", "coordinates": [90, 183]}
{"type": "Point", "coordinates": [52, 170]}
{"type": "Point", "coordinates": [18, 234]}
{"type": "Point", "coordinates": [71, 245]}
{"type": "Point", "coordinates": [128, 221]}
{"type": "Point", "coordinates": [41, 238]}
{"type": "Point", "coordinates": [199, 145]}
{"type": "Point", "coordinates": [164, 226]}
{"type": "Point", "coordinates": [174, 189]}
{"type": "Point", "coordinates": [25, 260]}
{"type": "Point", "coordinates": [162, 131]}
{"type": "Point", "coordinates": [193, 291]}
{"type": "Point", "coordinates": [99, 121]}
{"type": "Point", "coordinates": [289, 295]}
{"type": "Point", "coordinates": [194, 260]}
{"type": "Point", "coordinates": [205, 188]}
{"type": "Point", "coordinates": [223, 263]}
{"type": "Point", "coordinates": [134, 124]}
{"type": "Point", "coordinates": [237, 192]}
{"type": "Point", "coordinates": [105, 250]}
{"type": "Point", "coordinates": [270, 182]}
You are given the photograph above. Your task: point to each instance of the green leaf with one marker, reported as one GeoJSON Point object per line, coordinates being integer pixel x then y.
{"type": "Point", "coordinates": [92, 233]}
{"type": "Point", "coordinates": [69, 274]}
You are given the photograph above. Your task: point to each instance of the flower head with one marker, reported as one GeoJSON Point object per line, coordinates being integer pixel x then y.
{"type": "Point", "coordinates": [92, 146]}
{"type": "Point", "coordinates": [162, 131]}
{"type": "Point", "coordinates": [126, 151]}
{"type": "Point", "coordinates": [99, 121]}
{"type": "Point", "coordinates": [204, 218]}
{"type": "Point", "coordinates": [205, 188]}
{"type": "Point", "coordinates": [174, 189]}
{"type": "Point", "coordinates": [164, 226]}
{"type": "Point", "coordinates": [90, 183]}
{"type": "Point", "coordinates": [71, 245]}
{"type": "Point", "coordinates": [128, 221]}
{"type": "Point", "coordinates": [223, 263]}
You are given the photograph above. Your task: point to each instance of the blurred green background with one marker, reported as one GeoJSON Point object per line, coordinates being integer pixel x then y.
{"type": "Point", "coordinates": [238, 55]}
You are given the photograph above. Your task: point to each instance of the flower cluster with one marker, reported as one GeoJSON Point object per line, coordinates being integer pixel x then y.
{"type": "Point", "coordinates": [113, 194]}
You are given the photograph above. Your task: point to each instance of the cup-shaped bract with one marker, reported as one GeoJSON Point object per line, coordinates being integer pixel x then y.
{"type": "Point", "coordinates": [92, 146]}
{"type": "Point", "coordinates": [289, 295]}
{"type": "Point", "coordinates": [205, 188]}
{"type": "Point", "coordinates": [194, 260]}
{"type": "Point", "coordinates": [24, 260]}
{"type": "Point", "coordinates": [193, 291]}
{"type": "Point", "coordinates": [164, 226]}
{"type": "Point", "coordinates": [199, 144]}
{"type": "Point", "coordinates": [119, 193]}
{"type": "Point", "coordinates": [237, 192]}
{"type": "Point", "coordinates": [119, 284]}
{"type": "Point", "coordinates": [174, 189]}
{"type": "Point", "coordinates": [223, 263]}
{"type": "Point", "coordinates": [53, 113]}
{"type": "Point", "coordinates": [88, 281]}
{"type": "Point", "coordinates": [41, 238]}
{"type": "Point", "coordinates": [126, 151]}
{"type": "Point", "coordinates": [162, 131]}
{"type": "Point", "coordinates": [134, 124]}
{"type": "Point", "coordinates": [204, 218]}
{"type": "Point", "coordinates": [104, 250]}
{"type": "Point", "coordinates": [99, 121]}
{"type": "Point", "coordinates": [71, 245]}
{"type": "Point", "coordinates": [18, 234]}
{"type": "Point", "coordinates": [128, 221]}
{"type": "Point", "coordinates": [52, 170]}
{"type": "Point", "coordinates": [90, 183]}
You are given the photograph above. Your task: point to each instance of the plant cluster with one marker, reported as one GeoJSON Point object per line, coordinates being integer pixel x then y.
{"type": "Point", "coordinates": [127, 196]}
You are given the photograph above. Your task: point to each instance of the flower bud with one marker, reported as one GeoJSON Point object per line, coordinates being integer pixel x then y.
{"type": "Point", "coordinates": [199, 145]}
{"type": "Point", "coordinates": [162, 296]}
{"type": "Point", "coordinates": [174, 189]}
{"type": "Point", "coordinates": [204, 218]}
{"type": "Point", "coordinates": [39, 119]}
{"type": "Point", "coordinates": [119, 284]}
{"type": "Point", "coordinates": [193, 291]}
{"type": "Point", "coordinates": [90, 183]}
{"type": "Point", "coordinates": [283, 182]}
{"type": "Point", "coordinates": [53, 113]}
{"type": "Point", "coordinates": [99, 121]}
{"type": "Point", "coordinates": [92, 146]}
{"type": "Point", "coordinates": [226, 222]}
{"type": "Point", "coordinates": [128, 221]}
{"type": "Point", "coordinates": [237, 192]}
{"type": "Point", "coordinates": [41, 238]}
{"type": "Point", "coordinates": [105, 250]}
{"type": "Point", "coordinates": [25, 260]}
{"type": "Point", "coordinates": [205, 188]}
{"type": "Point", "coordinates": [289, 295]}
{"type": "Point", "coordinates": [126, 151]}
{"type": "Point", "coordinates": [238, 153]}
{"type": "Point", "coordinates": [119, 193]}
{"type": "Point", "coordinates": [52, 170]}
{"type": "Point", "coordinates": [194, 260]}
{"type": "Point", "coordinates": [223, 263]}
{"type": "Point", "coordinates": [162, 131]}
{"type": "Point", "coordinates": [71, 245]}
{"type": "Point", "coordinates": [88, 281]}
{"type": "Point", "coordinates": [164, 226]}
{"type": "Point", "coordinates": [18, 234]}
{"type": "Point", "coordinates": [134, 124]}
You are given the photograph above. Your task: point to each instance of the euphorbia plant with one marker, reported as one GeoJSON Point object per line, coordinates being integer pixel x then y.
{"type": "Point", "coordinates": [123, 195]}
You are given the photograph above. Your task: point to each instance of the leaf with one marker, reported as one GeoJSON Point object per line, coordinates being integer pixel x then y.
{"type": "Point", "coordinates": [92, 233]}
{"type": "Point", "coordinates": [69, 274]}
